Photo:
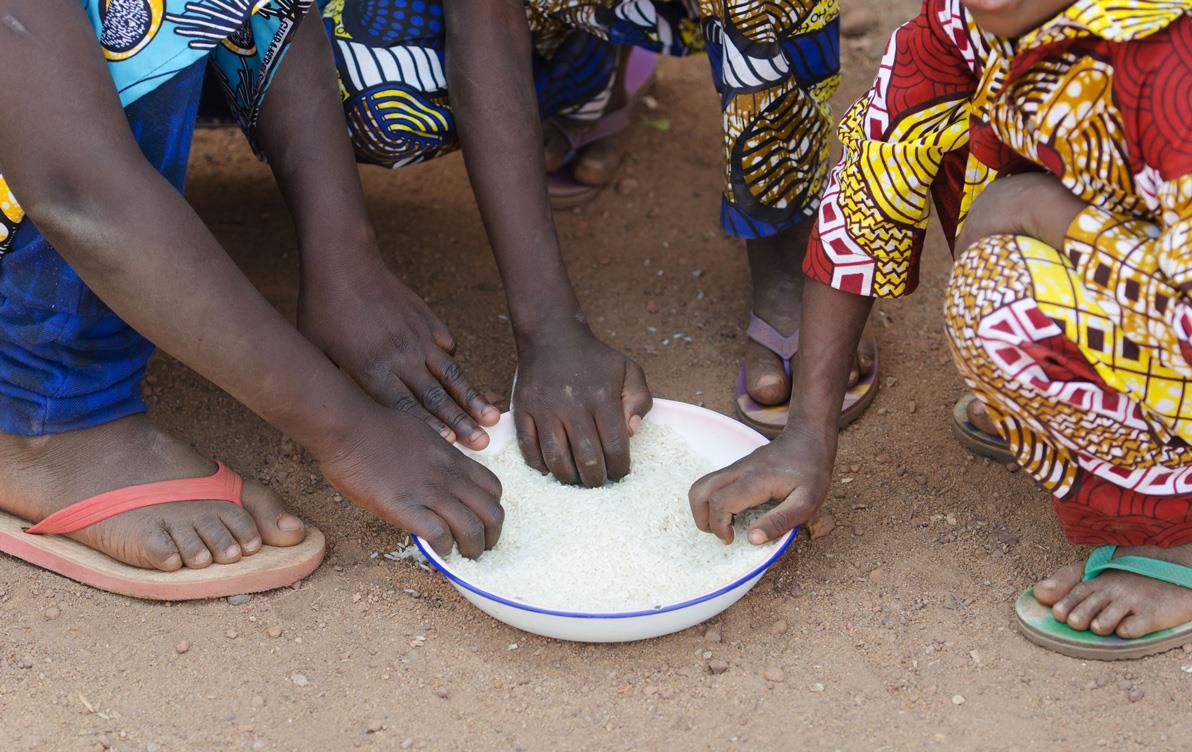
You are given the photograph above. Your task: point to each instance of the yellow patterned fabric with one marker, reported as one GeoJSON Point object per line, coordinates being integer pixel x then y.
{"type": "Point", "coordinates": [945, 117]}
{"type": "Point", "coordinates": [1082, 354]}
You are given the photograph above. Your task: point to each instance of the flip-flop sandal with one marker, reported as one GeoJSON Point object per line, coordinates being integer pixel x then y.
{"type": "Point", "coordinates": [1040, 627]}
{"type": "Point", "coordinates": [974, 439]}
{"type": "Point", "coordinates": [42, 545]}
{"type": "Point", "coordinates": [562, 187]}
{"type": "Point", "coordinates": [769, 420]}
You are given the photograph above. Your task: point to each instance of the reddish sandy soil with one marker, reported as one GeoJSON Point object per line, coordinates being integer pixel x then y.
{"type": "Point", "coordinates": [899, 623]}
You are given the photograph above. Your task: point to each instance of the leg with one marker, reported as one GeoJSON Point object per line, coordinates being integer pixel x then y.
{"type": "Point", "coordinates": [776, 273]}
{"type": "Point", "coordinates": [1026, 336]}
{"type": "Point", "coordinates": [72, 425]}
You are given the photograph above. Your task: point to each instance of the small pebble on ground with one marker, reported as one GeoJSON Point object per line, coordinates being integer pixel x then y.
{"type": "Point", "coordinates": [181, 647]}
{"type": "Point", "coordinates": [775, 674]}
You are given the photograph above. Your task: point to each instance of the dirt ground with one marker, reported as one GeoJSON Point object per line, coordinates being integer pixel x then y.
{"type": "Point", "coordinates": [899, 632]}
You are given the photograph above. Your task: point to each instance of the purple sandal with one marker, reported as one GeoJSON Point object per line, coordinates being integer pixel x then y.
{"type": "Point", "coordinates": [769, 420]}
{"type": "Point", "coordinates": [564, 190]}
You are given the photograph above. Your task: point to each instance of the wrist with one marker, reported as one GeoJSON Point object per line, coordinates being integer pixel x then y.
{"type": "Point", "coordinates": [549, 327]}
{"type": "Point", "coordinates": [338, 259]}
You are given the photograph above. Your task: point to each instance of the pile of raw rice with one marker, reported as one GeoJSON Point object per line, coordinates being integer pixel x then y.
{"type": "Point", "coordinates": [628, 546]}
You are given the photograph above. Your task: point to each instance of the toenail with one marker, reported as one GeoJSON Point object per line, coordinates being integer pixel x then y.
{"type": "Point", "coordinates": [253, 544]}
{"type": "Point", "coordinates": [232, 551]}
{"type": "Point", "coordinates": [289, 523]}
{"type": "Point", "coordinates": [1047, 584]}
{"type": "Point", "coordinates": [203, 555]}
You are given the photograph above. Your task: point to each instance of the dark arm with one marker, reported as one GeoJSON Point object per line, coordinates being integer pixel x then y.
{"type": "Point", "coordinates": [577, 399]}
{"type": "Point", "coordinates": [352, 306]}
{"type": "Point", "coordinates": [135, 241]}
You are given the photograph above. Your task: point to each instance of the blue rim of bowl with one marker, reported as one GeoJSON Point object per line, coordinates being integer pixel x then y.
{"type": "Point", "coordinates": [434, 560]}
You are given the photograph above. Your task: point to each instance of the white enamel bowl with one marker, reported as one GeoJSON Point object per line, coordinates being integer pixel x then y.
{"type": "Point", "coordinates": [723, 441]}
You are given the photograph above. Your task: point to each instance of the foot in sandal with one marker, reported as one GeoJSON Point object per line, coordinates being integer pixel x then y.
{"type": "Point", "coordinates": [584, 155]}
{"type": "Point", "coordinates": [1117, 602]}
{"type": "Point", "coordinates": [41, 475]}
{"type": "Point", "coordinates": [765, 385]}
{"type": "Point", "coordinates": [1125, 602]}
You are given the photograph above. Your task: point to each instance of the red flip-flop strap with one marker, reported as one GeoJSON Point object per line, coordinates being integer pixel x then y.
{"type": "Point", "coordinates": [225, 485]}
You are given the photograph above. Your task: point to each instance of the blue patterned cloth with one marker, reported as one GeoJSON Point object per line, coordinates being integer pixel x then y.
{"type": "Point", "coordinates": [66, 361]}
{"type": "Point", "coordinates": [774, 65]}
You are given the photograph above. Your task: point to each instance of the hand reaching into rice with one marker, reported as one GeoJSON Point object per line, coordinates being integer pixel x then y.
{"type": "Point", "coordinates": [794, 470]}
{"type": "Point", "coordinates": [577, 402]}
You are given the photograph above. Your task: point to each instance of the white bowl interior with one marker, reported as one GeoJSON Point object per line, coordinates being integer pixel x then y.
{"type": "Point", "coordinates": [722, 441]}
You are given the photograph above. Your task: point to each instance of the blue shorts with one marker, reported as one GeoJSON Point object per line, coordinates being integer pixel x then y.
{"type": "Point", "coordinates": [66, 361]}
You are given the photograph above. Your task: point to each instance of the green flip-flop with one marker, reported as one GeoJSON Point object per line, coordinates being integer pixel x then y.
{"type": "Point", "coordinates": [1040, 627]}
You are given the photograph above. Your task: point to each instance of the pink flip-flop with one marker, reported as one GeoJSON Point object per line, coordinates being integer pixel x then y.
{"type": "Point", "coordinates": [564, 190]}
{"type": "Point", "coordinates": [769, 420]}
{"type": "Point", "coordinates": [43, 546]}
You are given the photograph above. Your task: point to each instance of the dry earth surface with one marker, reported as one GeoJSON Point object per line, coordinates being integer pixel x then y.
{"type": "Point", "coordinates": [894, 631]}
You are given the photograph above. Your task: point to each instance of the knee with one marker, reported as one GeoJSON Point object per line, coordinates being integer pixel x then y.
{"type": "Point", "coordinates": [986, 276]}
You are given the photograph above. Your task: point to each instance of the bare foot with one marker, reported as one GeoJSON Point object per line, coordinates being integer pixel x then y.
{"type": "Point", "coordinates": [39, 476]}
{"type": "Point", "coordinates": [980, 418]}
{"type": "Point", "coordinates": [1120, 603]}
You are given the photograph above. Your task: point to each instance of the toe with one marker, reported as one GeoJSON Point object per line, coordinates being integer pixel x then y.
{"type": "Point", "coordinates": [1135, 626]}
{"type": "Point", "coordinates": [1111, 616]}
{"type": "Point", "coordinates": [1050, 591]}
{"type": "Point", "coordinates": [980, 417]}
{"type": "Point", "coordinates": [219, 539]}
{"type": "Point", "coordinates": [555, 148]}
{"type": "Point", "coordinates": [276, 526]}
{"type": "Point", "coordinates": [195, 553]}
{"type": "Point", "coordinates": [597, 163]}
{"type": "Point", "coordinates": [1063, 608]}
{"type": "Point", "coordinates": [240, 523]}
{"type": "Point", "coordinates": [156, 550]}
{"type": "Point", "coordinates": [765, 379]}
{"type": "Point", "coordinates": [1081, 617]}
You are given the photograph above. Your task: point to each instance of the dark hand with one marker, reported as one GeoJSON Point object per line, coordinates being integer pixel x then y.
{"type": "Point", "coordinates": [795, 470]}
{"type": "Point", "coordinates": [389, 341]}
{"type": "Point", "coordinates": [576, 404]}
{"type": "Point", "coordinates": [399, 470]}
{"type": "Point", "coordinates": [1035, 204]}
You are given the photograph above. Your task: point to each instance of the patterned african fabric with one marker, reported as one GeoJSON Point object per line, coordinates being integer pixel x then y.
{"type": "Point", "coordinates": [145, 43]}
{"type": "Point", "coordinates": [774, 66]}
{"type": "Point", "coordinates": [1038, 336]}
{"type": "Point", "coordinates": [1081, 353]}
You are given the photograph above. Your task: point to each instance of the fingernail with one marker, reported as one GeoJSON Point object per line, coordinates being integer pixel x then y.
{"type": "Point", "coordinates": [289, 523]}
{"type": "Point", "coordinates": [490, 413]}
{"type": "Point", "coordinates": [635, 422]}
{"type": "Point", "coordinates": [757, 537]}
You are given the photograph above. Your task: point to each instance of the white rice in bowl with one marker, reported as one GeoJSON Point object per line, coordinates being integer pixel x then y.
{"type": "Point", "coordinates": [629, 546]}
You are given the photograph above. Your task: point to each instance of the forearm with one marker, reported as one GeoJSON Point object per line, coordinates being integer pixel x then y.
{"type": "Point", "coordinates": [132, 237]}
{"type": "Point", "coordinates": [303, 134]}
{"type": "Point", "coordinates": [833, 322]}
{"type": "Point", "coordinates": [492, 91]}
{"type": "Point", "coordinates": [172, 282]}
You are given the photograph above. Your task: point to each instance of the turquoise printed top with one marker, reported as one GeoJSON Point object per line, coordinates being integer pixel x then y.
{"type": "Point", "coordinates": [147, 42]}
